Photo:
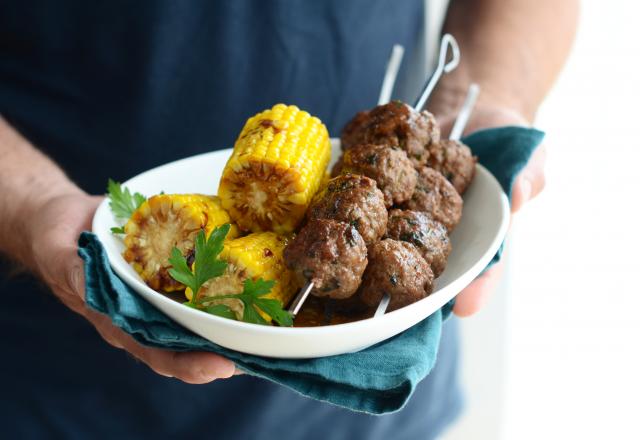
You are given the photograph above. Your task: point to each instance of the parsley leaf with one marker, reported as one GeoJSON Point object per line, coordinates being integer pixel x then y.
{"type": "Point", "coordinates": [119, 230]}
{"type": "Point", "coordinates": [180, 270]}
{"type": "Point", "coordinates": [121, 201]}
{"type": "Point", "coordinates": [251, 297]}
{"type": "Point", "coordinates": [273, 308]}
{"type": "Point", "coordinates": [220, 310]}
{"type": "Point", "coordinates": [206, 265]}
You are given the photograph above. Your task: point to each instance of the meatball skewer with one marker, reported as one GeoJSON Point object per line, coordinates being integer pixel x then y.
{"type": "Point", "coordinates": [393, 65]}
{"type": "Point", "coordinates": [399, 125]}
{"type": "Point", "coordinates": [329, 254]}
{"type": "Point", "coordinates": [328, 257]}
{"type": "Point", "coordinates": [443, 67]}
{"type": "Point", "coordinates": [333, 204]}
{"type": "Point", "coordinates": [444, 247]}
{"type": "Point", "coordinates": [396, 176]}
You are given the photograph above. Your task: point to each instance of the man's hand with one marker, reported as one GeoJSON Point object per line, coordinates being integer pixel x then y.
{"type": "Point", "coordinates": [503, 50]}
{"type": "Point", "coordinates": [529, 183]}
{"type": "Point", "coordinates": [52, 231]}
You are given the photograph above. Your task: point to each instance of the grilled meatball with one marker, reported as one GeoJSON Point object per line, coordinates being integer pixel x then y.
{"type": "Point", "coordinates": [389, 167]}
{"type": "Point", "coordinates": [355, 200]}
{"type": "Point", "coordinates": [330, 254]}
{"type": "Point", "coordinates": [394, 124]}
{"type": "Point", "coordinates": [437, 197]}
{"type": "Point", "coordinates": [397, 269]}
{"type": "Point", "coordinates": [428, 236]}
{"type": "Point", "coordinates": [455, 161]}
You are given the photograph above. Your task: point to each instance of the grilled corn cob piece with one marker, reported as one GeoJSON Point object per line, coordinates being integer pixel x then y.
{"type": "Point", "coordinates": [257, 255]}
{"type": "Point", "coordinates": [276, 167]}
{"type": "Point", "coordinates": [165, 221]}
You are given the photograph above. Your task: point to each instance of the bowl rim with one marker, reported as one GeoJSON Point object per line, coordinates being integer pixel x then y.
{"type": "Point", "coordinates": [443, 295]}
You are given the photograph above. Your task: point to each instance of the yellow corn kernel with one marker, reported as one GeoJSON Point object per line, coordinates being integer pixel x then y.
{"type": "Point", "coordinates": [257, 255]}
{"type": "Point", "coordinates": [164, 221]}
{"type": "Point", "coordinates": [277, 165]}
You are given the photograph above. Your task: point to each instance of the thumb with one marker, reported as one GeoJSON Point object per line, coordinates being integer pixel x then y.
{"type": "Point", "coordinates": [65, 276]}
{"type": "Point", "coordinates": [75, 277]}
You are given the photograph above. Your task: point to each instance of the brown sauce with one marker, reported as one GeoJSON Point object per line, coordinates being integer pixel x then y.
{"type": "Point", "coordinates": [319, 311]}
{"type": "Point", "coordinates": [314, 313]}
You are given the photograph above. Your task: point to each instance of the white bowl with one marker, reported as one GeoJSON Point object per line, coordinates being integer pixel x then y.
{"type": "Point", "coordinates": [475, 241]}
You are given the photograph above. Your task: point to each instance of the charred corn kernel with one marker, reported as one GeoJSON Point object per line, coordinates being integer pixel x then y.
{"type": "Point", "coordinates": [257, 255]}
{"type": "Point", "coordinates": [165, 221]}
{"type": "Point", "coordinates": [277, 165]}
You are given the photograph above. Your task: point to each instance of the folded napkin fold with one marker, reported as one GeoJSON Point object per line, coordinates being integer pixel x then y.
{"type": "Point", "coordinates": [377, 380]}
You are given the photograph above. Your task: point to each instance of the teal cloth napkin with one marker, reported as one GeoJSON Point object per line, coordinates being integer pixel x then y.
{"type": "Point", "coordinates": [377, 380]}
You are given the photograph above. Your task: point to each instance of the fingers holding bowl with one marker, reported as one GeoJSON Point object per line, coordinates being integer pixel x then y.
{"type": "Point", "coordinates": [190, 367]}
{"type": "Point", "coordinates": [476, 294]}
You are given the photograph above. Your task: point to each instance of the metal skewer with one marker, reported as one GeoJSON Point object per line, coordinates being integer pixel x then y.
{"type": "Point", "coordinates": [382, 307]}
{"type": "Point", "coordinates": [465, 112]}
{"type": "Point", "coordinates": [393, 65]}
{"type": "Point", "coordinates": [442, 67]}
{"type": "Point", "coordinates": [300, 298]}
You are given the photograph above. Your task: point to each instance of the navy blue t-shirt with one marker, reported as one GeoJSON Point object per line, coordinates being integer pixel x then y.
{"type": "Point", "coordinates": [111, 88]}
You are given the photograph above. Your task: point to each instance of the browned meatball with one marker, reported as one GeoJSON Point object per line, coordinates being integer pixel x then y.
{"type": "Point", "coordinates": [437, 197]}
{"type": "Point", "coordinates": [355, 200]}
{"type": "Point", "coordinates": [455, 161]}
{"type": "Point", "coordinates": [428, 236]}
{"type": "Point", "coordinates": [330, 254]}
{"type": "Point", "coordinates": [394, 124]}
{"type": "Point", "coordinates": [397, 269]}
{"type": "Point", "coordinates": [389, 167]}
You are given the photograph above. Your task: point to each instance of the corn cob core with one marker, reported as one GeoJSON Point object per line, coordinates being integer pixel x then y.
{"type": "Point", "coordinates": [277, 165]}
{"type": "Point", "coordinates": [165, 221]}
{"type": "Point", "coordinates": [257, 255]}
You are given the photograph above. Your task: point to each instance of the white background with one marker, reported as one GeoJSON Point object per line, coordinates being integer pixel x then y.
{"type": "Point", "coordinates": [556, 352]}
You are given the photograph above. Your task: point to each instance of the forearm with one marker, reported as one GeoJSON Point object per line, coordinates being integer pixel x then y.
{"type": "Point", "coordinates": [27, 180]}
{"type": "Point", "coordinates": [513, 49]}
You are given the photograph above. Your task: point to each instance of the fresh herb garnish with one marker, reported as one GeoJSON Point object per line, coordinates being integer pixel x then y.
{"type": "Point", "coordinates": [220, 310]}
{"type": "Point", "coordinates": [206, 263]}
{"type": "Point", "coordinates": [118, 230]}
{"type": "Point", "coordinates": [121, 201]}
{"type": "Point", "coordinates": [252, 298]}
